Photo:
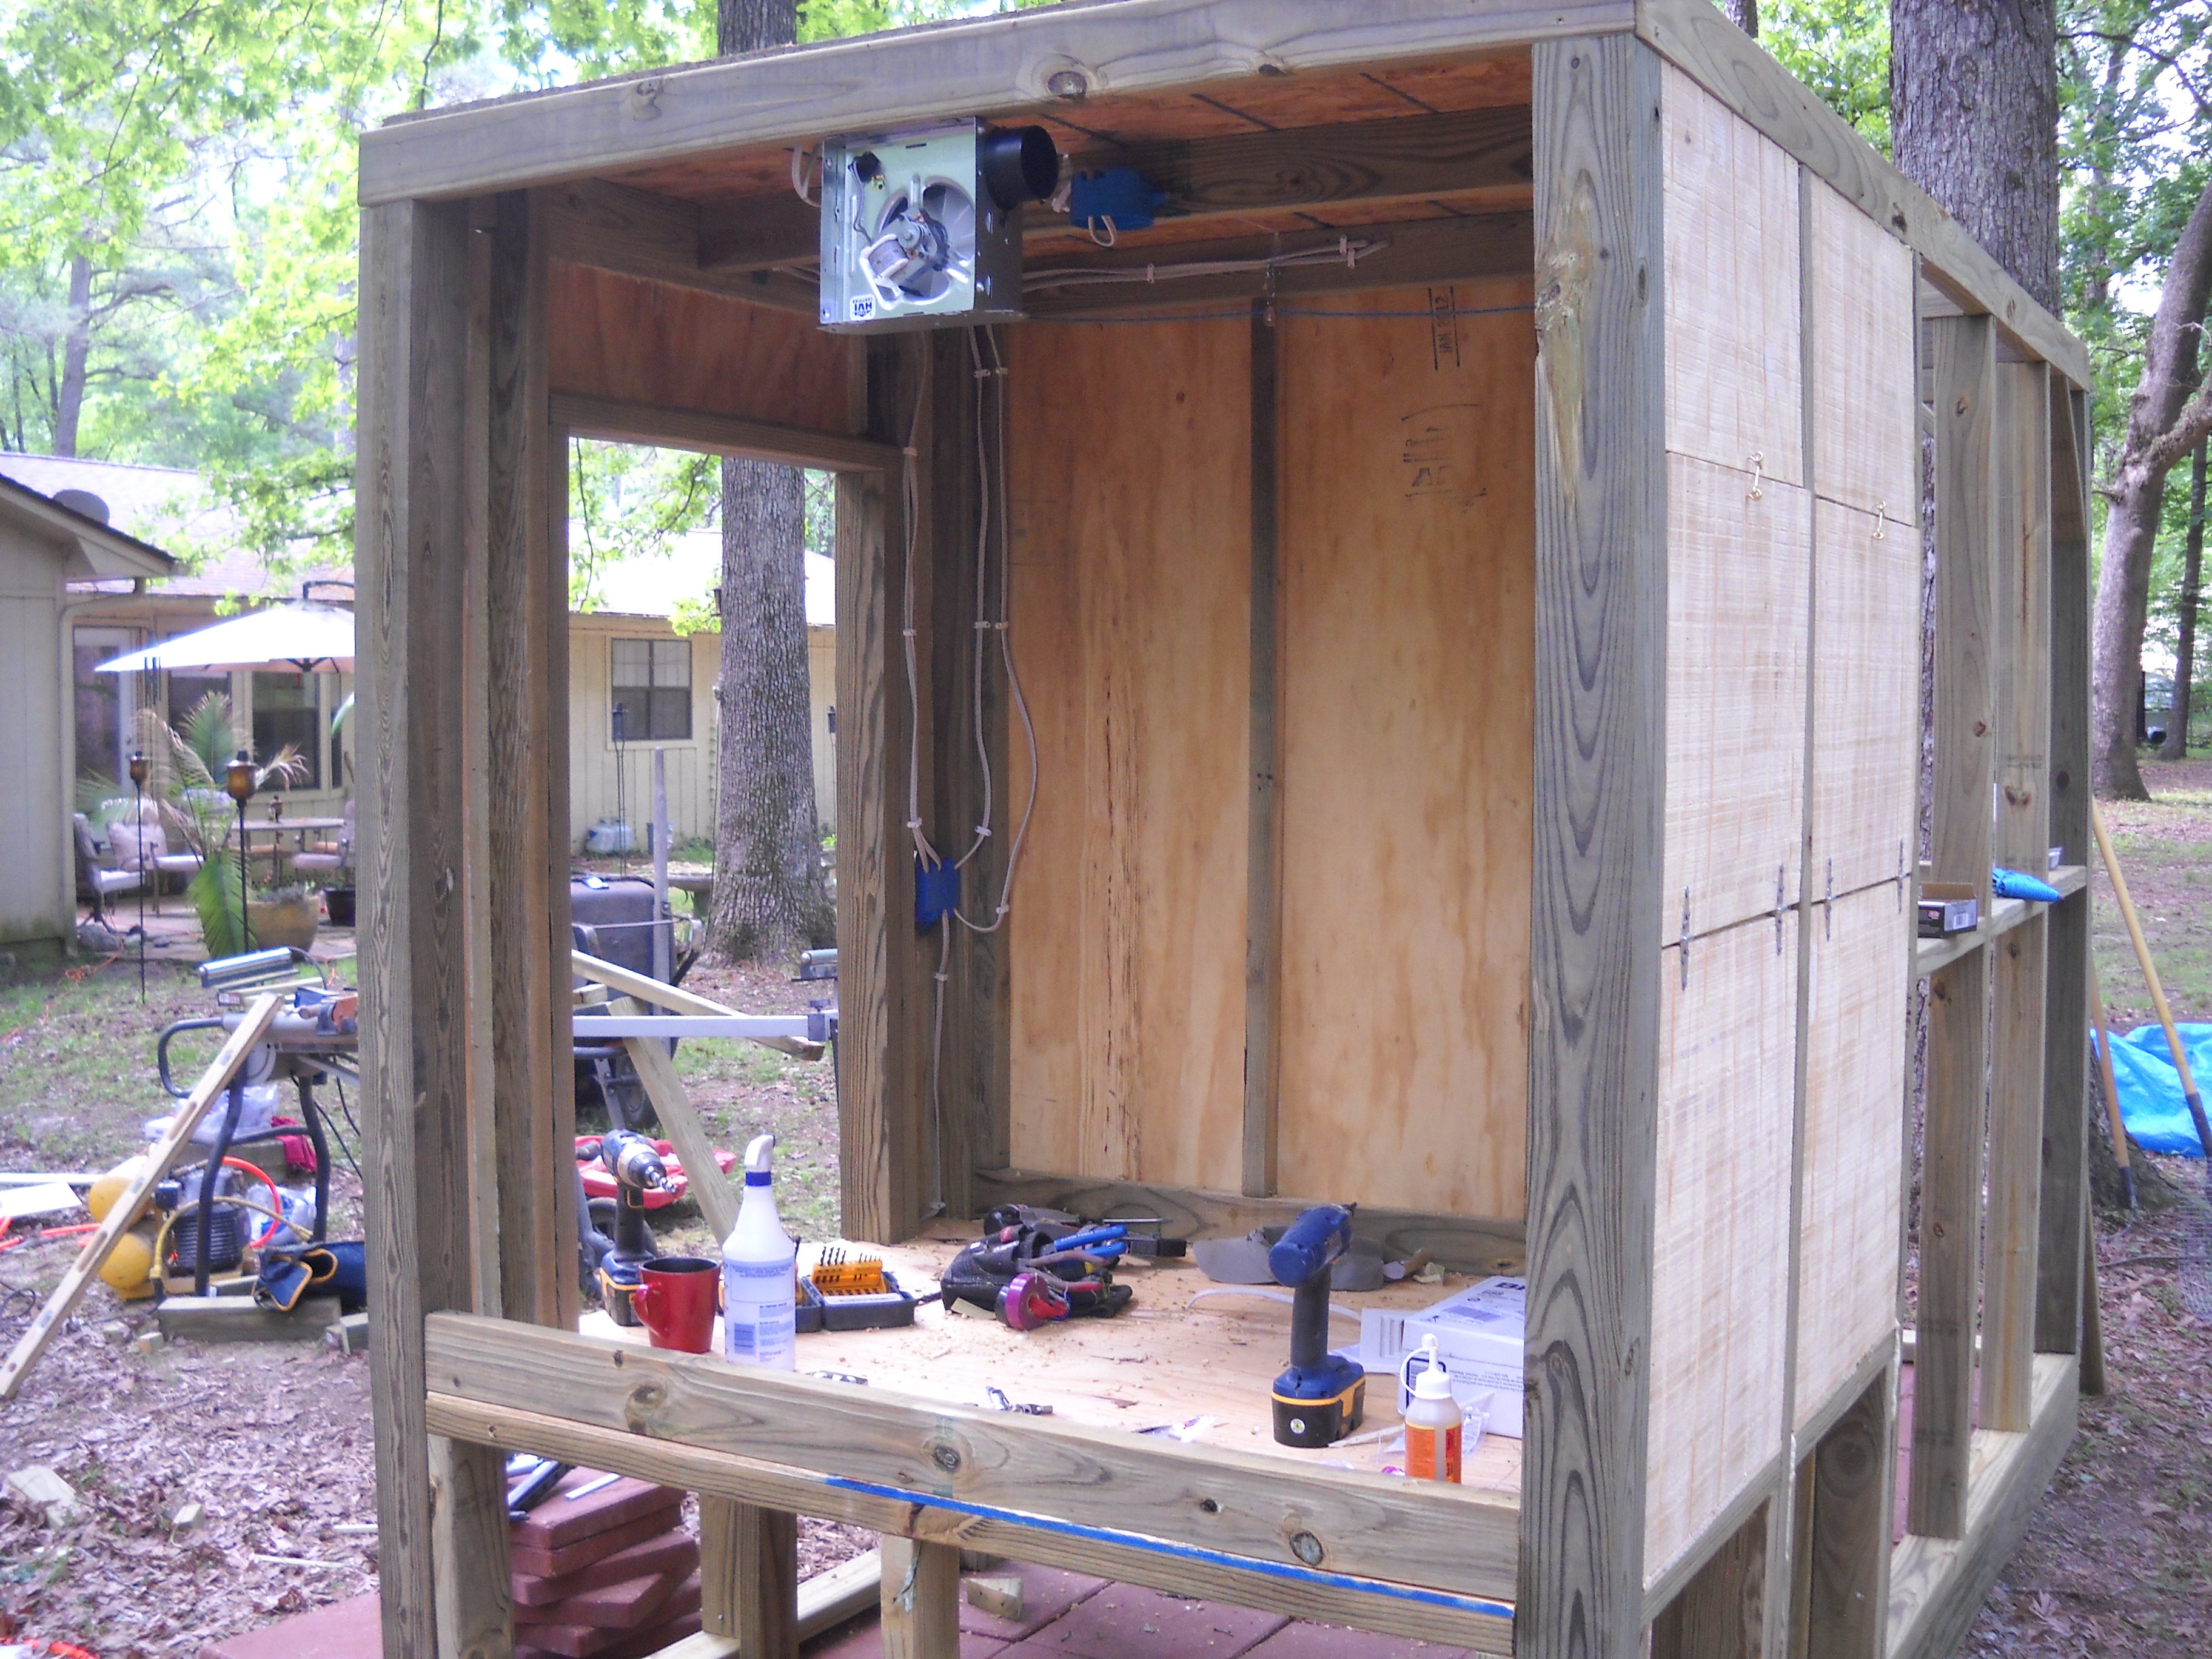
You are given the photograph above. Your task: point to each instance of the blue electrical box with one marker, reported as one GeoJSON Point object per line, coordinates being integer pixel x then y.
{"type": "Point", "coordinates": [1121, 194]}
{"type": "Point", "coordinates": [935, 891]}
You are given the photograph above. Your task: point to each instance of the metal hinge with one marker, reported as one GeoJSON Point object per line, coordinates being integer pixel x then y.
{"type": "Point", "coordinates": [1781, 906]}
{"type": "Point", "coordinates": [1828, 905]}
{"type": "Point", "coordinates": [1686, 938]}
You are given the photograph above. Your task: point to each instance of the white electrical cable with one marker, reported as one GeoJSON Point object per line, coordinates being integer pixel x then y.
{"type": "Point", "coordinates": [982, 593]}
{"type": "Point", "coordinates": [1005, 625]}
{"type": "Point", "coordinates": [1348, 252]}
{"type": "Point", "coordinates": [910, 499]}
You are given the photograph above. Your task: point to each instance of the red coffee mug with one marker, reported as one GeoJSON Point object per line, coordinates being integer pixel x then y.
{"type": "Point", "coordinates": [675, 1301]}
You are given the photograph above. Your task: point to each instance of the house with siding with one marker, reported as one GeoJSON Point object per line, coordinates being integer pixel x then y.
{"type": "Point", "coordinates": [626, 651]}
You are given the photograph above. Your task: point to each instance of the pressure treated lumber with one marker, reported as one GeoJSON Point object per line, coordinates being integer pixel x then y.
{"type": "Point", "coordinates": [130, 1203]}
{"type": "Point", "coordinates": [2067, 992]}
{"type": "Point", "coordinates": [614, 420]}
{"type": "Point", "coordinates": [522, 878]}
{"type": "Point", "coordinates": [1937, 1586]}
{"type": "Point", "coordinates": [1721, 1613]}
{"type": "Point", "coordinates": [2021, 617]}
{"type": "Point", "coordinates": [1964, 350]}
{"type": "Point", "coordinates": [1848, 1542]}
{"type": "Point", "coordinates": [474, 1609]}
{"type": "Point", "coordinates": [965, 68]}
{"type": "Point", "coordinates": [410, 537]}
{"type": "Point", "coordinates": [1455, 1538]}
{"type": "Point", "coordinates": [1263, 857]}
{"type": "Point", "coordinates": [748, 1578]}
{"type": "Point", "coordinates": [1479, 1623]}
{"type": "Point", "coordinates": [642, 987]}
{"type": "Point", "coordinates": [960, 485]}
{"type": "Point", "coordinates": [704, 1180]}
{"type": "Point", "coordinates": [920, 1599]}
{"type": "Point", "coordinates": [1601, 606]}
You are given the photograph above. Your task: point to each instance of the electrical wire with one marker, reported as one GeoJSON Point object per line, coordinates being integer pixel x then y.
{"type": "Point", "coordinates": [1348, 252]}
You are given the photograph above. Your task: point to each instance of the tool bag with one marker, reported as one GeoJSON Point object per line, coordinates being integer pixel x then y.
{"type": "Point", "coordinates": [339, 1269]}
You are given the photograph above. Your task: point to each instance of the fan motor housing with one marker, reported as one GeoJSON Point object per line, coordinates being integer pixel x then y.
{"type": "Point", "coordinates": [913, 233]}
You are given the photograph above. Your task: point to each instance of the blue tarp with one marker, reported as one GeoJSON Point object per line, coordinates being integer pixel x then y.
{"type": "Point", "coordinates": [2150, 1088]}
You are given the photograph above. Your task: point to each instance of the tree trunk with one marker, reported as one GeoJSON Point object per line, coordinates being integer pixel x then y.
{"type": "Point", "coordinates": [770, 896]}
{"type": "Point", "coordinates": [76, 349]}
{"type": "Point", "coordinates": [2185, 653]}
{"type": "Point", "coordinates": [1744, 14]}
{"type": "Point", "coordinates": [2164, 424]}
{"type": "Point", "coordinates": [1973, 97]}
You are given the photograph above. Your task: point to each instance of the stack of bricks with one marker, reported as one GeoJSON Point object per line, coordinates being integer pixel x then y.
{"type": "Point", "coordinates": [611, 1575]}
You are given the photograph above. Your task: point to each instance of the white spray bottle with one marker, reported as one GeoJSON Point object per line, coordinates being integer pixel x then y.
{"type": "Point", "coordinates": [759, 1272]}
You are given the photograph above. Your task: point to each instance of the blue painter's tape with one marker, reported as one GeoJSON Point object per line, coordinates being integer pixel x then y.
{"type": "Point", "coordinates": [1283, 1570]}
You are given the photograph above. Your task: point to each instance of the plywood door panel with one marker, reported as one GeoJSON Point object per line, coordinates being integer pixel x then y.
{"type": "Point", "coordinates": [1409, 564]}
{"type": "Point", "coordinates": [649, 342]}
{"type": "Point", "coordinates": [1855, 1059]}
{"type": "Point", "coordinates": [1739, 583]}
{"type": "Point", "coordinates": [1131, 446]}
{"type": "Point", "coordinates": [1866, 451]}
{"type": "Point", "coordinates": [1720, 1250]}
{"type": "Point", "coordinates": [1733, 370]}
{"type": "Point", "coordinates": [1866, 704]}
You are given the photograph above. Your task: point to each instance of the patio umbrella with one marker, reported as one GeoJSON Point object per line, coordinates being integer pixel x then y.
{"type": "Point", "coordinates": [307, 636]}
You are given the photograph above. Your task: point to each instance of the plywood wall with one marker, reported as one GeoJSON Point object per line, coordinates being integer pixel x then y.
{"type": "Point", "coordinates": [641, 342]}
{"type": "Point", "coordinates": [1720, 1268]}
{"type": "Point", "coordinates": [1866, 472]}
{"type": "Point", "coordinates": [1853, 1170]}
{"type": "Point", "coordinates": [1408, 558]}
{"type": "Point", "coordinates": [1132, 593]}
{"type": "Point", "coordinates": [1739, 584]}
{"type": "Point", "coordinates": [1734, 374]}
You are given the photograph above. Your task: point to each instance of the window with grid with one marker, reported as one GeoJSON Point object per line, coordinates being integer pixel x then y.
{"type": "Point", "coordinates": [652, 683]}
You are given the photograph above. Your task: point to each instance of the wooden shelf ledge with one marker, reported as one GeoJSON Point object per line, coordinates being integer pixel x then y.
{"type": "Point", "coordinates": [2005, 915]}
{"type": "Point", "coordinates": [1435, 1563]}
{"type": "Point", "coordinates": [1936, 1585]}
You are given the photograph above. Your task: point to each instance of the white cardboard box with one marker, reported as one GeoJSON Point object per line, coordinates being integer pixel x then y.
{"type": "Point", "coordinates": [1481, 1332]}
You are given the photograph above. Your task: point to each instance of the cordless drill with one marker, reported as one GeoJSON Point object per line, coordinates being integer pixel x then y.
{"type": "Point", "coordinates": [634, 1163]}
{"type": "Point", "coordinates": [1321, 1397]}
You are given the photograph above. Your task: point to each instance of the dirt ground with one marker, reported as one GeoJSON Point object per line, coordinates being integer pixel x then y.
{"type": "Point", "coordinates": [273, 1442]}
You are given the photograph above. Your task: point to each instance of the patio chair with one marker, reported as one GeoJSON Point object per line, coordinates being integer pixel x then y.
{"type": "Point", "coordinates": [92, 881]}
{"type": "Point", "coordinates": [325, 859]}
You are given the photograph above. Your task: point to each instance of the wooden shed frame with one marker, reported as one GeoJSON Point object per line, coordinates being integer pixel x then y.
{"type": "Point", "coordinates": [613, 261]}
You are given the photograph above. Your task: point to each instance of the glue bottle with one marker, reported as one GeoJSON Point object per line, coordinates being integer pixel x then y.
{"type": "Point", "coordinates": [760, 1280]}
{"type": "Point", "coordinates": [1434, 1422]}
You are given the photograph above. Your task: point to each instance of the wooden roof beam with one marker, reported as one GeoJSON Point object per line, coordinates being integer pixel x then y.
{"type": "Point", "coordinates": [1000, 65]}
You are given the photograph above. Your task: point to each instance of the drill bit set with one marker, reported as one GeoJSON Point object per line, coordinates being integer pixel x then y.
{"type": "Point", "coordinates": [850, 1289]}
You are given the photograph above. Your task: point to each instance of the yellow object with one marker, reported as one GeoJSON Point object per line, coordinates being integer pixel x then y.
{"type": "Point", "coordinates": [843, 1273]}
{"type": "Point", "coordinates": [129, 1269]}
{"type": "Point", "coordinates": [100, 1198]}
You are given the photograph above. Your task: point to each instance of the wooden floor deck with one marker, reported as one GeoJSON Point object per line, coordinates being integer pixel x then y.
{"type": "Point", "coordinates": [1066, 1615]}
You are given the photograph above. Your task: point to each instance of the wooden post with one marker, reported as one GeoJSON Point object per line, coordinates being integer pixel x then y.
{"type": "Point", "coordinates": [534, 1103]}
{"type": "Point", "coordinates": [748, 1577]}
{"type": "Point", "coordinates": [411, 531]}
{"type": "Point", "coordinates": [964, 675]}
{"type": "Point", "coordinates": [1847, 1540]}
{"type": "Point", "coordinates": [920, 1599]}
{"type": "Point", "coordinates": [883, 1078]}
{"type": "Point", "coordinates": [2063, 1208]}
{"type": "Point", "coordinates": [468, 1540]}
{"type": "Point", "coordinates": [1721, 1614]}
{"type": "Point", "coordinates": [1951, 1185]}
{"type": "Point", "coordinates": [1263, 903]}
{"type": "Point", "coordinates": [1600, 696]}
{"type": "Point", "coordinates": [2020, 627]}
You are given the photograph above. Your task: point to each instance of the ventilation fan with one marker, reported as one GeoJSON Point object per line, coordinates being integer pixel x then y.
{"type": "Point", "coordinates": [923, 228]}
